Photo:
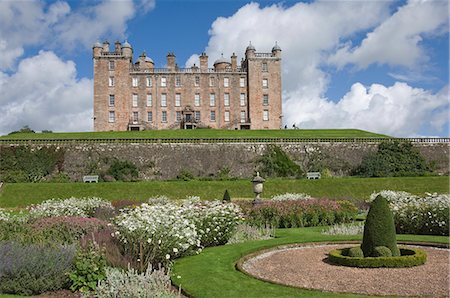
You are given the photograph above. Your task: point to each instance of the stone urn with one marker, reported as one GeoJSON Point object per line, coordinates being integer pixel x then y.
{"type": "Point", "coordinates": [258, 182]}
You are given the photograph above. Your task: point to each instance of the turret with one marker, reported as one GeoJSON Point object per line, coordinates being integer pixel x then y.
{"type": "Point", "coordinates": [127, 50]}
{"type": "Point", "coordinates": [97, 50]}
{"type": "Point", "coordinates": [250, 51]}
{"type": "Point", "coordinates": [276, 50]}
{"type": "Point", "coordinates": [234, 62]}
{"type": "Point", "coordinates": [221, 64]}
{"type": "Point", "coordinates": [105, 46]}
{"type": "Point", "coordinates": [145, 62]}
{"type": "Point", "coordinates": [203, 62]}
{"type": "Point", "coordinates": [171, 61]}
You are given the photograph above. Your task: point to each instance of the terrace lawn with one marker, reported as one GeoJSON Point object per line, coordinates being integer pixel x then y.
{"type": "Point", "coordinates": [202, 133]}
{"type": "Point", "coordinates": [212, 273]}
{"type": "Point", "coordinates": [357, 189]}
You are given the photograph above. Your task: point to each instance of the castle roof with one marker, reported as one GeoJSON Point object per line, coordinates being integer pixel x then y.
{"type": "Point", "coordinates": [126, 45]}
{"type": "Point", "coordinates": [97, 44]}
{"type": "Point", "coordinates": [250, 47]}
{"type": "Point", "coordinates": [221, 60]}
{"type": "Point", "coordinates": [276, 47]}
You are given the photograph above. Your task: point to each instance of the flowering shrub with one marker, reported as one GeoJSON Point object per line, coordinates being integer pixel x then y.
{"type": "Point", "coordinates": [84, 207]}
{"type": "Point", "coordinates": [34, 269]}
{"type": "Point", "coordinates": [4, 215]}
{"type": "Point", "coordinates": [66, 229]}
{"type": "Point", "coordinates": [245, 232]}
{"type": "Point", "coordinates": [291, 196]}
{"type": "Point", "coordinates": [300, 213]}
{"type": "Point", "coordinates": [151, 283]}
{"type": "Point", "coordinates": [215, 221]}
{"type": "Point", "coordinates": [418, 215]}
{"type": "Point", "coordinates": [156, 233]}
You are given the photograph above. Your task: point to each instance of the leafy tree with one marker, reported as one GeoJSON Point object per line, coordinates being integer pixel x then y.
{"type": "Point", "coordinates": [25, 129]}
{"type": "Point", "coordinates": [393, 159]}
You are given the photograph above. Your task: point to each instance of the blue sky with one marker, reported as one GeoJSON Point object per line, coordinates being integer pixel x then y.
{"type": "Point", "coordinates": [376, 65]}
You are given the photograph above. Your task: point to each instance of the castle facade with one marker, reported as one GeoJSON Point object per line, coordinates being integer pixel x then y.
{"type": "Point", "coordinates": [138, 96]}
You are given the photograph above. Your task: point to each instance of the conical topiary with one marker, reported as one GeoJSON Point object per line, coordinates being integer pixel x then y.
{"type": "Point", "coordinates": [379, 229]}
{"type": "Point", "coordinates": [226, 196]}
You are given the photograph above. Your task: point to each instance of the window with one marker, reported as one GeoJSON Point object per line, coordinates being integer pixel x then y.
{"type": "Point", "coordinates": [242, 99]}
{"type": "Point", "coordinates": [266, 99]}
{"type": "Point", "coordinates": [197, 81]}
{"type": "Point", "coordinates": [211, 81]}
{"type": "Point", "coordinates": [226, 99]}
{"type": "Point", "coordinates": [212, 116]}
{"type": "Point", "coordinates": [111, 82]}
{"type": "Point", "coordinates": [178, 100]}
{"type": "Point", "coordinates": [226, 82]}
{"type": "Point", "coordinates": [265, 83]}
{"type": "Point", "coordinates": [177, 81]}
{"type": "Point", "coordinates": [149, 100]}
{"type": "Point", "coordinates": [266, 115]}
{"type": "Point", "coordinates": [243, 117]}
{"type": "Point", "coordinates": [264, 67]}
{"type": "Point", "coordinates": [242, 82]}
{"type": "Point", "coordinates": [112, 100]}
{"type": "Point", "coordinates": [112, 117]}
{"type": "Point", "coordinates": [149, 82]}
{"type": "Point", "coordinates": [197, 99]}
{"type": "Point", "coordinates": [135, 82]}
{"type": "Point", "coordinates": [212, 100]}
{"type": "Point", "coordinates": [227, 116]}
{"type": "Point", "coordinates": [135, 100]}
{"type": "Point", "coordinates": [197, 115]}
{"type": "Point", "coordinates": [111, 65]}
{"type": "Point", "coordinates": [164, 116]}
{"type": "Point", "coordinates": [164, 100]}
{"type": "Point", "coordinates": [135, 117]}
{"type": "Point", "coordinates": [163, 82]}
{"type": "Point", "coordinates": [178, 117]}
{"type": "Point", "coordinates": [150, 116]}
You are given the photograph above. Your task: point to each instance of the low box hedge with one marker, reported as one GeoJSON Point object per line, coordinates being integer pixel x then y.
{"type": "Point", "coordinates": [409, 257]}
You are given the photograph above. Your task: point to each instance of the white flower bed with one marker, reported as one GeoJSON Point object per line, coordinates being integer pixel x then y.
{"type": "Point", "coordinates": [418, 215]}
{"type": "Point", "coordinates": [5, 215]}
{"type": "Point", "coordinates": [151, 283]}
{"type": "Point", "coordinates": [291, 196]}
{"type": "Point", "coordinates": [84, 207]}
{"type": "Point", "coordinates": [159, 233]}
{"type": "Point", "coordinates": [345, 229]}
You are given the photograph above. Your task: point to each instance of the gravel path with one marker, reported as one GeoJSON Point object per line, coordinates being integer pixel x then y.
{"type": "Point", "coordinates": [307, 267]}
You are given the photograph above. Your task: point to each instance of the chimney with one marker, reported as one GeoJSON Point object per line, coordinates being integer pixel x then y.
{"type": "Point", "coordinates": [234, 62]}
{"type": "Point", "coordinates": [171, 61]}
{"type": "Point", "coordinates": [105, 46]}
{"type": "Point", "coordinates": [203, 62]}
{"type": "Point", "coordinates": [118, 47]}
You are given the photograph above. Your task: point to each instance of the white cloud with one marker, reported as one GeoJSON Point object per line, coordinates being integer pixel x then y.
{"type": "Point", "coordinates": [44, 93]}
{"type": "Point", "coordinates": [397, 41]}
{"type": "Point", "coordinates": [310, 33]}
{"type": "Point", "coordinates": [398, 110]}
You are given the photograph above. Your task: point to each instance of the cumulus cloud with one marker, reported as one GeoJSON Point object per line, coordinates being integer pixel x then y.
{"type": "Point", "coordinates": [44, 93]}
{"type": "Point", "coordinates": [311, 37]}
{"type": "Point", "coordinates": [397, 41]}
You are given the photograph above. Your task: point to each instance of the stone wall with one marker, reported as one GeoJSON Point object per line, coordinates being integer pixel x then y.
{"type": "Point", "coordinates": [166, 161]}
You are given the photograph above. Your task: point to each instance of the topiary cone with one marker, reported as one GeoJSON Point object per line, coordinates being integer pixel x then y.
{"type": "Point", "coordinates": [379, 229]}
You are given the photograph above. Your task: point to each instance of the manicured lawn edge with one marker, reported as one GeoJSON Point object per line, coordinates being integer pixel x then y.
{"type": "Point", "coordinates": [213, 273]}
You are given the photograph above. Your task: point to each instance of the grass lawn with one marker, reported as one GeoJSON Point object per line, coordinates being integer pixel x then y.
{"type": "Point", "coordinates": [212, 273]}
{"type": "Point", "coordinates": [202, 133]}
{"type": "Point", "coordinates": [23, 194]}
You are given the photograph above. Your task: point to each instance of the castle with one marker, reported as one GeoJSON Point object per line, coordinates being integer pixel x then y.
{"type": "Point", "coordinates": [138, 96]}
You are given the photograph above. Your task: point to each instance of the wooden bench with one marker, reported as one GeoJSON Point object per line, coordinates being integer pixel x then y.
{"type": "Point", "coordinates": [89, 179]}
{"type": "Point", "coordinates": [313, 175]}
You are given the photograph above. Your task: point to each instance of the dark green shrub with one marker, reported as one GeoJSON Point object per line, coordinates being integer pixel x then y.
{"type": "Point", "coordinates": [379, 229]}
{"type": "Point", "coordinates": [89, 269]}
{"type": "Point", "coordinates": [409, 257]}
{"type": "Point", "coordinates": [355, 252]}
{"type": "Point", "coordinates": [276, 163]}
{"type": "Point", "coordinates": [382, 251]}
{"type": "Point", "coordinates": [33, 269]}
{"type": "Point", "coordinates": [226, 196]}
{"type": "Point", "coordinates": [123, 170]}
{"type": "Point", "coordinates": [393, 159]}
{"type": "Point", "coordinates": [185, 175]}
{"type": "Point", "coordinates": [25, 129]}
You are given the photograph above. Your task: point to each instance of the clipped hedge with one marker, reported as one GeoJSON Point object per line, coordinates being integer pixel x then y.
{"type": "Point", "coordinates": [409, 257]}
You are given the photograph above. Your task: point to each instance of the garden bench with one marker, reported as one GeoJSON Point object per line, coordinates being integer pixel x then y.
{"type": "Point", "coordinates": [313, 175]}
{"type": "Point", "coordinates": [89, 179]}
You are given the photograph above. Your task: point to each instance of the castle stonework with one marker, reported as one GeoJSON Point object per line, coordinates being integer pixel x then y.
{"type": "Point", "coordinates": [138, 96]}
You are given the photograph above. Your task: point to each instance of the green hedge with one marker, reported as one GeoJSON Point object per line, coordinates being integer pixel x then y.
{"type": "Point", "coordinates": [409, 257]}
